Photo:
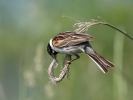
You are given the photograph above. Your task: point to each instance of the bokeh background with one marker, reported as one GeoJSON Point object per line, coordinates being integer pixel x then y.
{"type": "Point", "coordinates": [26, 26]}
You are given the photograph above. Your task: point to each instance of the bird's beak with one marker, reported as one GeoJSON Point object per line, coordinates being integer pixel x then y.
{"type": "Point", "coordinates": [54, 57]}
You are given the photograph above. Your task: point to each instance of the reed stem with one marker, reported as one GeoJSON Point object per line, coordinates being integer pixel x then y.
{"type": "Point", "coordinates": [120, 85]}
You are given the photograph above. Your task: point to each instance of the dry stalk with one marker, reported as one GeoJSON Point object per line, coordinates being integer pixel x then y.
{"type": "Point", "coordinates": [63, 73]}
{"type": "Point", "coordinates": [84, 26]}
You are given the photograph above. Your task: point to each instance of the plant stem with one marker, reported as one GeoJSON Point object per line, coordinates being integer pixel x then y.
{"type": "Point", "coordinates": [120, 85]}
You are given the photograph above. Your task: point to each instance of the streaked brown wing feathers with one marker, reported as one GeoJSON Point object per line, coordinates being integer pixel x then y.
{"type": "Point", "coordinates": [70, 38]}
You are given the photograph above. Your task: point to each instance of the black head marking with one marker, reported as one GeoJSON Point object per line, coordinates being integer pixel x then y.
{"type": "Point", "coordinates": [51, 52]}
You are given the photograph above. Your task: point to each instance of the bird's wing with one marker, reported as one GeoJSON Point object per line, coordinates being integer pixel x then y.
{"type": "Point", "coordinates": [70, 38]}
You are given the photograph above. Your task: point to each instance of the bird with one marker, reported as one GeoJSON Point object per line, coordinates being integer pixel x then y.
{"type": "Point", "coordinates": [72, 43]}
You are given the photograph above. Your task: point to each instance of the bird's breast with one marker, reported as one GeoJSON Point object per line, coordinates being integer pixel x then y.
{"type": "Point", "coordinates": [69, 50]}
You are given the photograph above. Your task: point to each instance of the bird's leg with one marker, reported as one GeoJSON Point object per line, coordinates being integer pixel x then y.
{"type": "Point", "coordinates": [68, 62]}
{"type": "Point", "coordinates": [68, 59]}
{"type": "Point", "coordinates": [76, 57]}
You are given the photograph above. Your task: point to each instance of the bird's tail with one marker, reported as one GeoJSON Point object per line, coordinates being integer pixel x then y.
{"type": "Point", "coordinates": [102, 63]}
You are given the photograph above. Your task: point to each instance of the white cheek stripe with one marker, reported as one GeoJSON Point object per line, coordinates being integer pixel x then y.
{"type": "Point", "coordinates": [50, 42]}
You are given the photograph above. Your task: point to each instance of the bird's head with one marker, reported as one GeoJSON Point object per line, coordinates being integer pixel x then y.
{"type": "Point", "coordinates": [51, 51]}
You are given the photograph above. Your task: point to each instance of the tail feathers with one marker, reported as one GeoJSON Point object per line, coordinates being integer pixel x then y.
{"type": "Point", "coordinates": [102, 63]}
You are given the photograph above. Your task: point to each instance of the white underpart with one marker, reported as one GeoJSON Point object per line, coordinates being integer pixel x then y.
{"type": "Point", "coordinates": [98, 65]}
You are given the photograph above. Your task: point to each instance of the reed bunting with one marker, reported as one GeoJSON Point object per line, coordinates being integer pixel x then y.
{"type": "Point", "coordinates": [72, 43]}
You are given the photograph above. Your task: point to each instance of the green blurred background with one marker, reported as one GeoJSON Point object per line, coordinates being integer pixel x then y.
{"type": "Point", "coordinates": [26, 26]}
